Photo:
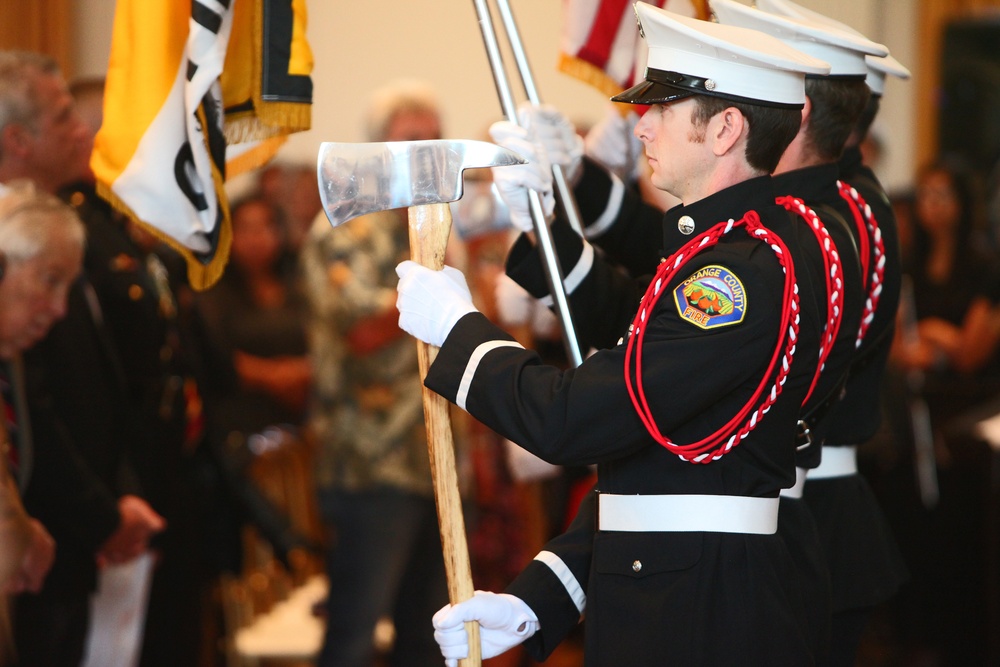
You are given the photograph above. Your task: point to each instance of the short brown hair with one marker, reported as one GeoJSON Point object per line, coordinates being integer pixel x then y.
{"type": "Point", "coordinates": [771, 128]}
{"type": "Point", "coordinates": [837, 104]}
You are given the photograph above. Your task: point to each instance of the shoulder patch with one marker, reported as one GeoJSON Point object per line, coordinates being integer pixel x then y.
{"type": "Point", "coordinates": [711, 297]}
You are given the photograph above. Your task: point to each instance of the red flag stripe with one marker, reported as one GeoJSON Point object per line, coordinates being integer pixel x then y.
{"type": "Point", "coordinates": [603, 32]}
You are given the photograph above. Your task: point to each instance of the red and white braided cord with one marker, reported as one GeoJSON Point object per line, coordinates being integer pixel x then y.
{"type": "Point", "coordinates": [833, 271]}
{"type": "Point", "coordinates": [714, 446]}
{"type": "Point", "coordinates": [868, 226]}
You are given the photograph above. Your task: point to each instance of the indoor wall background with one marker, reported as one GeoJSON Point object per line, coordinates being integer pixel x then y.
{"type": "Point", "coordinates": [360, 46]}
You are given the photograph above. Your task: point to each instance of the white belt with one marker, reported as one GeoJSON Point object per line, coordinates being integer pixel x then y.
{"type": "Point", "coordinates": [795, 491]}
{"type": "Point", "coordinates": [687, 513]}
{"type": "Point", "coordinates": [836, 462]}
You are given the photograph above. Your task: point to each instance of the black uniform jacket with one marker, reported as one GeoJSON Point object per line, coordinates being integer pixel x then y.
{"type": "Point", "coordinates": [817, 187]}
{"type": "Point", "coordinates": [77, 400]}
{"type": "Point", "coordinates": [691, 588]}
{"type": "Point", "coordinates": [866, 567]}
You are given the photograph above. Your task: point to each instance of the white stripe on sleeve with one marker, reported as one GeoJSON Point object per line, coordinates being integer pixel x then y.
{"type": "Point", "coordinates": [576, 276]}
{"type": "Point", "coordinates": [605, 220]}
{"type": "Point", "coordinates": [473, 365]}
{"type": "Point", "coordinates": [568, 579]}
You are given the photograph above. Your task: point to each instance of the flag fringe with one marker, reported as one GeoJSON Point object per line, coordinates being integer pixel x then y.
{"type": "Point", "coordinates": [596, 77]}
{"type": "Point", "coordinates": [588, 73]}
{"type": "Point", "coordinates": [201, 276]}
{"type": "Point", "coordinates": [255, 157]}
{"type": "Point", "coordinates": [266, 120]}
{"type": "Point", "coordinates": [291, 116]}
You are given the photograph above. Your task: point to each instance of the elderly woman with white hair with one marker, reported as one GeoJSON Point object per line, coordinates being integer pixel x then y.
{"type": "Point", "coordinates": [41, 249]}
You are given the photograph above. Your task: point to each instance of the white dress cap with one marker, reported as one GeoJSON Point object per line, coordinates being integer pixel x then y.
{"type": "Point", "coordinates": [845, 50]}
{"type": "Point", "coordinates": [879, 68]}
{"type": "Point", "coordinates": [691, 57]}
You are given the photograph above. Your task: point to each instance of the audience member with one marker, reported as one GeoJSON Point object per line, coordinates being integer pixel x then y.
{"type": "Point", "coordinates": [292, 191]}
{"type": "Point", "coordinates": [76, 394]}
{"type": "Point", "coordinates": [128, 270]}
{"type": "Point", "coordinates": [954, 291]}
{"type": "Point", "coordinates": [301, 204]}
{"type": "Point", "coordinates": [373, 474]}
{"type": "Point", "coordinates": [945, 347]}
{"type": "Point", "coordinates": [38, 237]}
{"type": "Point", "coordinates": [255, 331]}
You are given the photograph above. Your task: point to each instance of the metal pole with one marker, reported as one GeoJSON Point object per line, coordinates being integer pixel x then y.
{"type": "Point", "coordinates": [544, 235]}
{"type": "Point", "coordinates": [563, 191]}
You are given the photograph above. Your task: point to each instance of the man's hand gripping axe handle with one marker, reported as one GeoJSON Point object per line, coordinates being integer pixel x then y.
{"type": "Point", "coordinates": [355, 179]}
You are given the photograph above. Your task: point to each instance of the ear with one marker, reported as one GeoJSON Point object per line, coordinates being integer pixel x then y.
{"type": "Point", "coordinates": [727, 129]}
{"type": "Point", "coordinates": [806, 113]}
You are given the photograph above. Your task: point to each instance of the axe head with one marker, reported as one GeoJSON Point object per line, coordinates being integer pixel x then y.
{"type": "Point", "coordinates": [360, 178]}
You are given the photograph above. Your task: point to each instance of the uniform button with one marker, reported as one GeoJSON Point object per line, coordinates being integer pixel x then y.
{"type": "Point", "coordinates": [636, 565]}
{"type": "Point", "coordinates": [135, 292]}
{"type": "Point", "coordinates": [685, 224]}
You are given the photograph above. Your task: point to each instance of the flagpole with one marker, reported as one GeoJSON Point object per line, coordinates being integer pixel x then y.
{"type": "Point", "coordinates": [553, 271]}
{"type": "Point", "coordinates": [563, 190]}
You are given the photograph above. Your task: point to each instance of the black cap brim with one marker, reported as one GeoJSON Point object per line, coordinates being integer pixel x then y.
{"type": "Point", "coordinates": [661, 87]}
{"type": "Point", "coordinates": [652, 92]}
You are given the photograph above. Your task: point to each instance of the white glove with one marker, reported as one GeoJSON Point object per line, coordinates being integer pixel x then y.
{"type": "Point", "coordinates": [504, 622]}
{"type": "Point", "coordinates": [513, 182]}
{"type": "Point", "coordinates": [554, 131]}
{"type": "Point", "coordinates": [613, 143]}
{"type": "Point", "coordinates": [430, 302]}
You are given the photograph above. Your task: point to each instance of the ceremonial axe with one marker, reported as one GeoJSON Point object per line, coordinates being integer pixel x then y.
{"type": "Point", "coordinates": [355, 179]}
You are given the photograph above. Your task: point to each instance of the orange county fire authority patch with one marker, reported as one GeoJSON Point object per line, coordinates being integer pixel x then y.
{"type": "Point", "coordinates": [711, 297]}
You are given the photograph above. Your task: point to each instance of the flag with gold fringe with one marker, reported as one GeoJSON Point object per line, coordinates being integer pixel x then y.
{"type": "Point", "coordinates": [161, 153]}
{"type": "Point", "coordinates": [266, 82]}
{"type": "Point", "coordinates": [600, 42]}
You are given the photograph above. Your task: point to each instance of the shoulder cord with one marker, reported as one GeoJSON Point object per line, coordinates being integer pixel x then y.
{"type": "Point", "coordinates": [868, 229]}
{"type": "Point", "coordinates": [834, 282]}
{"type": "Point", "coordinates": [712, 447]}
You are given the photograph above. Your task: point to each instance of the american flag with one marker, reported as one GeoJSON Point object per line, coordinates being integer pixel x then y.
{"type": "Point", "coordinates": [600, 42]}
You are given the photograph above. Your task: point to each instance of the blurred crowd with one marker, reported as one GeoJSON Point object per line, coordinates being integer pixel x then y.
{"type": "Point", "coordinates": [135, 406]}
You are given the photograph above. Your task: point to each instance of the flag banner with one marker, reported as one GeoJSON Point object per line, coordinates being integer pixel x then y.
{"type": "Point", "coordinates": [160, 155]}
{"type": "Point", "coordinates": [600, 43]}
{"type": "Point", "coordinates": [266, 84]}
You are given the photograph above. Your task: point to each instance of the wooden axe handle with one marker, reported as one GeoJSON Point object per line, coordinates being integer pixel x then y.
{"type": "Point", "coordinates": [430, 226]}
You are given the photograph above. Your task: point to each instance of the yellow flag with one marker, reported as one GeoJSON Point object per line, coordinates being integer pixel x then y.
{"type": "Point", "coordinates": [160, 155]}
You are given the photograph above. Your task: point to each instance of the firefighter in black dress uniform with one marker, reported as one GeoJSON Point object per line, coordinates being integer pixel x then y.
{"type": "Point", "coordinates": [691, 418]}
